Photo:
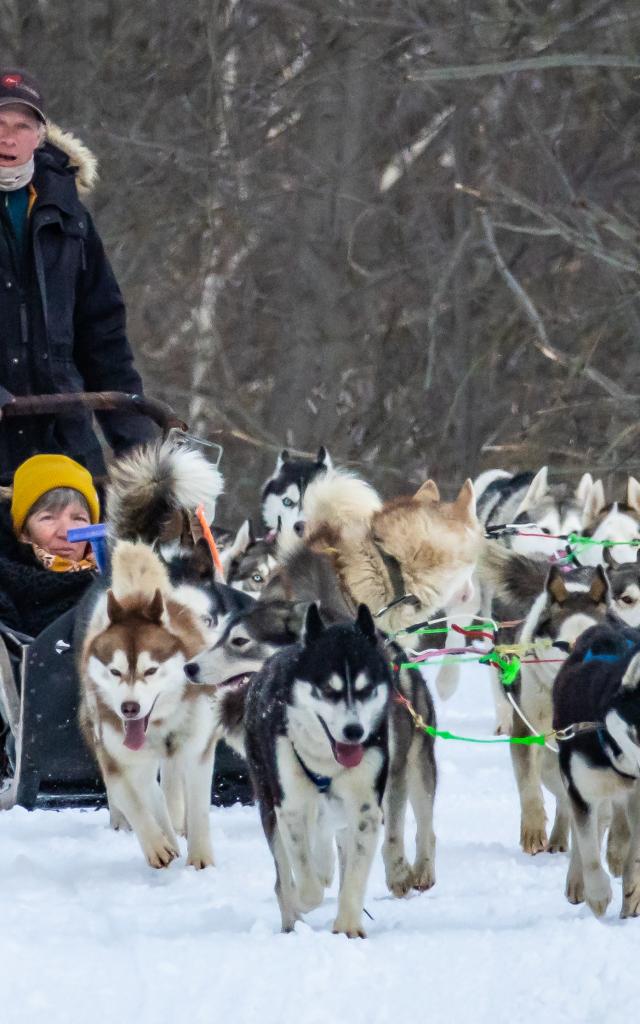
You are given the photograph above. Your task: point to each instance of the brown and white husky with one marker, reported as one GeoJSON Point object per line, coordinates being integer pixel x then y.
{"type": "Point", "coordinates": [138, 711]}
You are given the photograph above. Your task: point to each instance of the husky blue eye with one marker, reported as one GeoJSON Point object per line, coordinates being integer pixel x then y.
{"type": "Point", "coordinates": [288, 503]}
{"type": "Point", "coordinates": [257, 578]}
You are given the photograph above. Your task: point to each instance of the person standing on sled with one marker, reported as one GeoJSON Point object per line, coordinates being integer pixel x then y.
{"type": "Point", "coordinates": [62, 315]}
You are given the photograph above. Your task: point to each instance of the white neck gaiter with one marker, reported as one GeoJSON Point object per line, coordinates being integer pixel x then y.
{"type": "Point", "coordinates": [12, 178]}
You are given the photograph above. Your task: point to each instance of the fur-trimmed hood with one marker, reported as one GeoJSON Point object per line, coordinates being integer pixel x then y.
{"type": "Point", "coordinates": [81, 160]}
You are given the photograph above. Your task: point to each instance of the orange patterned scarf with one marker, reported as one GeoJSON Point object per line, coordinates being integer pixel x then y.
{"type": "Point", "coordinates": [56, 563]}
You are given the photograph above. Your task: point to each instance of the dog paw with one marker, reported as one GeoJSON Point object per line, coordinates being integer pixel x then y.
{"type": "Point", "coordinates": [400, 878]}
{"type": "Point", "coordinates": [161, 855]}
{"type": "Point", "coordinates": [424, 876]}
{"type": "Point", "coordinates": [598, 896]}
{"type": "Point", "coordinates": [631, 902]}
{"type": "Point", "coordinates": [533, 840]}
{"type": "Point", "coordinates": [200, 861]}
{"type": "Point", "coordinates": [558, 843]}
{"type": "Point", "coordinates": [352, 929]}
{"type": "Point", "coordinates": [574, 889]}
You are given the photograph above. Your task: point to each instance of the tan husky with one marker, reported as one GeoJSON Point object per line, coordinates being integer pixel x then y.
{"type": "Point", "coordinates": [405, 558]}
{"type": "Point", "coordinates": [138, 710]}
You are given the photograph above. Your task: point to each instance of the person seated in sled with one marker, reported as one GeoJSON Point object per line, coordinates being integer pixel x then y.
{"type": "Point", "coordinates": [42, 574]}
{"type": "Point", "coordinates": [62, 315]}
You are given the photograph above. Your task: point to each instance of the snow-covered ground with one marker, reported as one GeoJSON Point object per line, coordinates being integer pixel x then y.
{"type": "Point", "coordinates": [91, 935]}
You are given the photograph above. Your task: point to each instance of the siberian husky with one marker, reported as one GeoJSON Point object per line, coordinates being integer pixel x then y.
{"type": "Point", "coordinates": [317, 749]}
{"type": "Point", "coordinates": [619, 521]}
{"type": "Point", "coordinates": [283, 493]}
{"type": "Point", "coordinates": [152, 496]}
{"type": "Point", "coordinates": [555, 509]}
{"type": "Point", "coordinates": [569, 603]}
{"type": "Point", "coordinates": [253, 636]}
{"type": "Point", "coordinates": [138, 710]}
{"type": "Point", "coordinates": [248, 561]}
{"type": "Point", "coordinates": [405, 558]}
{"type": "Point", "coordinates": [598, 692]}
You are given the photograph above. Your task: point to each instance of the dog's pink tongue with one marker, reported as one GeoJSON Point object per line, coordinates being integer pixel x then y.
{"type": "Point", "coordinates": [349, 754]}
{"type": "Point", "coordinates": [134, 734]}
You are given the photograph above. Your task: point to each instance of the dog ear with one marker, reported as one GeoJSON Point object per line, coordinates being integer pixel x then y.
{"type": "Point", "coordinates": [583, 490]}
{"type": "Point", "coordinates": [115, 611]}
{"type": "Point", "coordinates": [155, 609]}
{"type": "Point", "coordinates": [633, 494]}
{"type": "Point", "coordinates": [631, 678]}
{"type": "Point", "coordinates": [365, 623]}
{"type": "Point", "coordinates": [536, 491]}
{"type": "Point", "coordinates": [428, 493]}
{"type": "Point", "coordinates": [556, 587]}
{"type": "Point", "coordinates": [465, 503]}
{"type": "Point", "coordinates": [599, 589]}
{"type": "Point", "coordinates": [609, 560]}
{"type": "Point", "coordinates": [313, 625]}
{"type": "Point", "coordinates": [200, 562]}
{"type": "Point", "coordinates": [323, 458]}
{"type": "Point", "coordinates": [594, 504]}
{"type": "Point", "coordinates": [282, 458]}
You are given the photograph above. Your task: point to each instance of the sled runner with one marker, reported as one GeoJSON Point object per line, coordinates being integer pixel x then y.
{"type": "Point", "coordinates": [49, 764]}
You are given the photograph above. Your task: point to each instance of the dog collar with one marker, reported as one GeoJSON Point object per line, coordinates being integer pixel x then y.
{"type": "Point", "coordinates": [321, 782]}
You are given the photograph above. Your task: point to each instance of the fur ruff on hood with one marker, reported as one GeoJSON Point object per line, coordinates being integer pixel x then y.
{"type": "Point", "coordinates": [81, 160]}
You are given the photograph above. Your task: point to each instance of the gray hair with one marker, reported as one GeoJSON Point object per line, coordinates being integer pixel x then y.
{"type": "Point", "coordinates": [56, 500]}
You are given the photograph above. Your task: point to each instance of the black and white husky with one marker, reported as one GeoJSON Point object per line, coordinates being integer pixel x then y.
{"type": "Point", "coordinates": [597, 693]}
{"type": "Point", "coordinates": [556, 510]}
{"type": "Point", "coordinates": [283, 492]}
{"type": "Point", "coordinates": [252, 636]}
{"type": "Point", "coordinates": [317, 748]}
{"type": "Point", "coordinates": [619, 521]}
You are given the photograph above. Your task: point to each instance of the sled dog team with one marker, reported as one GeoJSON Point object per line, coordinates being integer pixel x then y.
{"type": "Point", "coordinates": [296, 658]}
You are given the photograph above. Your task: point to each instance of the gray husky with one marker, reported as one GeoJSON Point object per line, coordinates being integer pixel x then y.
{"type": "Point", "coordinates": [596, 699]}
{"type": "Point", "coordinates": [317, 748]}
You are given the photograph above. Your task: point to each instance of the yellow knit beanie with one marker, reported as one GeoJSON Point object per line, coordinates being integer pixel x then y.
{"type": "Point", "coordinates": [43, 473]}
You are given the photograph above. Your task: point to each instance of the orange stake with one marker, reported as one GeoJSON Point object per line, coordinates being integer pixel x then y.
{"type": "Point", "coordinates": [208, 536]}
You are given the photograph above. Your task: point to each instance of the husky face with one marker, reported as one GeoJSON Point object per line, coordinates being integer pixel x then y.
{"type": "Point", "coordinates": [624, 580]}
{"type": "Point", "coordinates": [435, 544]}
{"type": "Point", "coordinates": [247, 640]}
{"type": "Point", "coordinates": [136, 664]}
{"type": "Point", "coordinates": [554, 510]}
{"type": "Point", "coordinates": [283, 492]}
{"type": "Point", "coordinates": [619, 521]}
{"type": "Point", "coordinates": [249, 561]}
{"type": "Point", "coordinates": [566, 608]}
{"type": "Point", "coordinates": [343, 682]}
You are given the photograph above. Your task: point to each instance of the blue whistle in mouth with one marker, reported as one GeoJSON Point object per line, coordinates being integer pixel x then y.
{"type": "Point", "coordinates": [97, 536]}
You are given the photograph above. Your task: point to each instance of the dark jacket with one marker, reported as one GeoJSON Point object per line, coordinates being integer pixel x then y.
{"type": "Point", "coordinates": [32, 597]}
{"type": "Point", "coordinates": [62, 319]}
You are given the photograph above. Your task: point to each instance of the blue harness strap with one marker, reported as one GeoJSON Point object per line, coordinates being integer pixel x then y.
{"type": "Point", "coordinates": [321, 782]}
{"type": "Point", "coordinates": [609, 658]}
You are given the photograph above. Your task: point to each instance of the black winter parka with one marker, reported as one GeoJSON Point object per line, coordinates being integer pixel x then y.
{"type": "Point", "coordinates": [62, 320]}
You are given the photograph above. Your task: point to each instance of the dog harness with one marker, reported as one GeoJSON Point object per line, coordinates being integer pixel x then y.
{"type": "Point", "coordinates": [396, 579]}
{"type": "Point", "coordinates": [321, 782]}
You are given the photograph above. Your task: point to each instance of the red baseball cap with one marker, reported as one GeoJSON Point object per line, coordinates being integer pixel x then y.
{"type": "Point", "coordinates": [17, 86]}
